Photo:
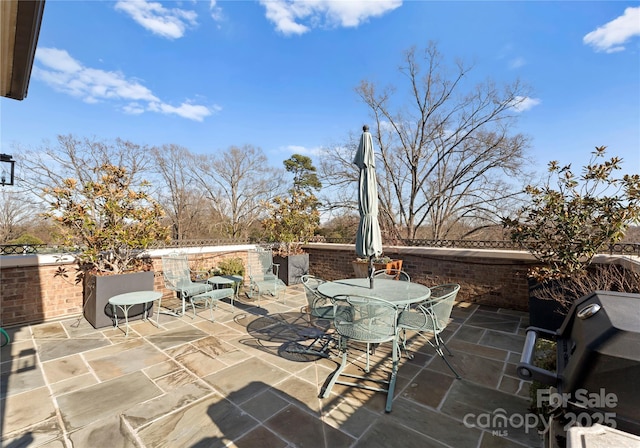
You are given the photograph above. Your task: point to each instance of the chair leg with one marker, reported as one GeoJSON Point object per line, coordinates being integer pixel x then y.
{"type": "Point", "coordinates": [439, 351]}
{"type": "Point", "coordinates": [255, 291]}
{"type": "Point", "coordinates": [368, 351]}
{"type": "Point", "coordinates": [438, 346]}
{"type": "Point", "coordinates": [439, 343]}
{"type": "Point", "coordinates": [445, 346]}
{"type": "Point", "coordinates": [158, 312]}
{"type": "Point", "coordinates": [324, 342]}
{"type": "Point", "coordinates": [404, 344]}
{"type": "Point", "coordinates": [336, 374]}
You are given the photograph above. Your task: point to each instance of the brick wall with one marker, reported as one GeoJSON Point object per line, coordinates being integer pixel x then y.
{"type": "Point", "coordinates": [35, 293]}
{"type": "Point", "coordinates": [30, 290]}
{"type": "Point", "coordinates": [36, 288]}
{"type": "Point", "coordinates": [496, 278]}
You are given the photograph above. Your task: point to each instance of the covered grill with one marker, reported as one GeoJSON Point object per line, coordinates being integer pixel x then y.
{"type": "Point", "coordinates": [598, 361]}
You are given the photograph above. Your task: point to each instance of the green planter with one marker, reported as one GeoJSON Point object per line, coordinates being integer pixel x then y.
{"type": "Point", "coordinates": [98, 289]}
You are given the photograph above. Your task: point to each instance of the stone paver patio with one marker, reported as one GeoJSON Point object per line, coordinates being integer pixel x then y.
{"type": "Point", "coordinates": [196, 383]}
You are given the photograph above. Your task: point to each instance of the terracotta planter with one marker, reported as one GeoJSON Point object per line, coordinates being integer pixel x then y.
{"type": "Point", "coordinates": [361, 268]}
{"type": "Point", "coordinates": [98, 289]}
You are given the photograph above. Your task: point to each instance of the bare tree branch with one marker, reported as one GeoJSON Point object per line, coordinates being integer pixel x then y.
{"type": "Point", "coordinates": [236, 182]}
{"type": "Point", "coordinates": [448, 153]}
{"type": "Point", "coordinates": [181, 199]}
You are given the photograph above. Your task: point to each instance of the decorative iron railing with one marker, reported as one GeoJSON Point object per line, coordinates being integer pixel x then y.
{"type": "Point", "coordinates": [16, 249]}
{"type": "Point", "coordinates": [618, 248]}
{"type": "Point", "coordinates": [462, 244]}
{"type": "Point", "coordinates": [201, 242]}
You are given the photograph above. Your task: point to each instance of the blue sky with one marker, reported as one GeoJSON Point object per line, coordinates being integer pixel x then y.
{"type": "Point", "coordinates": [281, 74]}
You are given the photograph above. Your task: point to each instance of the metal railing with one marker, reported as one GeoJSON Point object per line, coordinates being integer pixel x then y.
{"type": "Point", "coordinates": [20, 249]}
{"type": "Point", "coordinates": [201, 242]}
{"type": "Point", "coordinates": [617, 249]}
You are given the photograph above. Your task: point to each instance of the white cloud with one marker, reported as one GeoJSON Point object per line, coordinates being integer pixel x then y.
{"type": "Point", "coordinates": [517, 63]}
{"type": "Point", "coordinates": [186, 110]}
{"type": "Point", "coordinates": [133, 109]}
{"type": "Point", "coordinates": [524, 103]}
{"type": "Point", "coordinates": [59, 60]}
{"type": "Point", "coordinates": [610, 37]}
{"type": "Point", "coordinates": [296, 149]}
{"type": "Point", "coordinates": [169, 23]}
{"type": "Point", "coordinates": [216, 11]}
{"type": "Point", "coordinates": [63, 73]}
{"type": "Point", "coordinates": [287, 15]}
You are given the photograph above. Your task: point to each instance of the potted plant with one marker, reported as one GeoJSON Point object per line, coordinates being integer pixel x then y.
{"type": "Point", "coordinates": [233, 267]}
{"type": "Point", "coordinates": [361, 265]}
{"type": "Point", "coordinates": [110, 222]}
{"type": "Point", "coordinates": [569, 219]}
{"type": "Point", "coordinates": [293, 220]}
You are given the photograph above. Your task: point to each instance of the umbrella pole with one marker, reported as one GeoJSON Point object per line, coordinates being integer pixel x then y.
{"type": "Point", "coordinates": [371, 272]}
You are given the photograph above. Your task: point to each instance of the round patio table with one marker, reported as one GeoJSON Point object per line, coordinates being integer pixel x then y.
{"type": "Point", "coordinates": [127, 300]}
{"type": "Point", "coordinates": [400, 293]}
{"type": "Point", "coordinates": [397, 292]}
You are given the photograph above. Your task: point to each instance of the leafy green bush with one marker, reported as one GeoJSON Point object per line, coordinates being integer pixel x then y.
{"type": "Point", "coordinates": [571, 218]}
{"type": "Point", "coordinates": [230, 266]}
{"type": "Point", "coordinates": [26, 238]}
{"type": "Point", "coordinates": [110, 219]}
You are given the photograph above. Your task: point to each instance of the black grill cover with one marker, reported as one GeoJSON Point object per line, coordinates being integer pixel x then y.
{"type": "Point", "coordinates": [599, 352]}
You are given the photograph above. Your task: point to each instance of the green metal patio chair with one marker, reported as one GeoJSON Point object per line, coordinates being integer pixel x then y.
{"type": "Point", "coordinates": [392, 274]}
{"type": "Point", "coordinates": [177, 277]}
{"type": "Point", "coordinates": [263, 274]}
{"type": "Point", "coordinates": [319, 305]}
{"type": "Point", "coordinates": [431, 316]}
{"type": "Point", "coordinates": [371, 321]}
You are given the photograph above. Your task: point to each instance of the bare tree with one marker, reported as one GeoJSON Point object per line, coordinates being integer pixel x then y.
{"type": "Point", "coordinates": [236, 182]}
{"type": "Point", "coordinates": [15, 213]}
{"type": "Point", "coordinates": [445, 152]}
{"type": "Point", "coordinates": [180, 198]}
{"type": "Point", "coordinates": [40, 170]}
{"type": "Point", "coordinates": [73, 157]}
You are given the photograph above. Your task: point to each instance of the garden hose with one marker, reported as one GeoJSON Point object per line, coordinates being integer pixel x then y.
{"type": "Point", "coordinates": [5, 337]}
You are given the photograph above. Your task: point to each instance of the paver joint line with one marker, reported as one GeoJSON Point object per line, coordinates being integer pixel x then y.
{"type": "Point", "coordinates": [241, 374]}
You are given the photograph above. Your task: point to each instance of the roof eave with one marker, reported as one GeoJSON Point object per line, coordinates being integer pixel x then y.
{"type": "Point", "coordinates": [20, 21]}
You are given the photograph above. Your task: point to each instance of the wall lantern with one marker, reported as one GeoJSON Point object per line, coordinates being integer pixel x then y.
{"type": "Point", "coordinates": [7, 165]}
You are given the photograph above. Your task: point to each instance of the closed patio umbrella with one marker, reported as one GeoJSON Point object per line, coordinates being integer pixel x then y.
{"type": "Point", "coordinates": [368, 239]}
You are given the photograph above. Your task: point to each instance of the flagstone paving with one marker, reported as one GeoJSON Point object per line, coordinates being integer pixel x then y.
{"type": "Point", "coordinates": [196, 383]}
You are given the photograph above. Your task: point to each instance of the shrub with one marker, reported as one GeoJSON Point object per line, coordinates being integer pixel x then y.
{"type": "Point", "coordinates": [230, 266]}
{"type": "Point", "coordinates": [107, 219]}
{"type": "Point", "coordinates": [26, 238]}
{"type": "Point", "coordinates": [570, 218]}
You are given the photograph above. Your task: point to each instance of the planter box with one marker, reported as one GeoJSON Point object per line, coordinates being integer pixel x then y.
{"type": "Point", "coordinates": [361, 268]}
{"type": "Point", "coordinates": [98, 289]}
{"type": "Point", "coordinates": [545, 313]}
{"type": "Point", "coordinates": [292, 268]}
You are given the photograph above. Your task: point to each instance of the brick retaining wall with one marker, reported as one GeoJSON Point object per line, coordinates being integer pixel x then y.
{"type": "Point", "coordinates": [489, 277]}
{"type": "Point", "coordinates": [30, 290]}
{"type": "Point", "coordinates": [33, 288]}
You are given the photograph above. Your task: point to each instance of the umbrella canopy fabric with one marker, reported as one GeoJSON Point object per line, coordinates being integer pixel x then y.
{"type": "Point", "coordinates": [368, 239]}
